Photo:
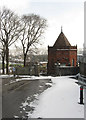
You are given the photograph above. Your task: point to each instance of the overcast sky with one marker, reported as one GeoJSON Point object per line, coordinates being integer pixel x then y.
{"type": "Point", "coordinates": [66, 13]}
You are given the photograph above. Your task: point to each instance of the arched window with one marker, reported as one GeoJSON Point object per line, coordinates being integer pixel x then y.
{"type": "Point", "coordinates": [72, 62]}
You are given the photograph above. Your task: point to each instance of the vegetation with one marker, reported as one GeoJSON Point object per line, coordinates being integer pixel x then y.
{"type": "Point", "coordinates": [27, 28]}
{"type": "Point", "coordinates": [16, 65]}
{"type": "Point", "coordinates": [33, 27]}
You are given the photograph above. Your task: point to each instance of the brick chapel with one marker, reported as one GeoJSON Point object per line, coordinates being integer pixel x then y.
{"type": "Point", "coordinates": [61, 53]}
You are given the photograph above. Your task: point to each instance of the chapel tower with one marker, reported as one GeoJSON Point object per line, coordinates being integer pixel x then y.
{"type": "Point", "coordinates": [61, 53]}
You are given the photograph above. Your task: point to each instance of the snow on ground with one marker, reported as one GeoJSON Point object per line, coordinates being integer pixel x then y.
{"type": "Point", "coordinates": [59, 101]}
{"type": "Point", "coordinates": [33, 78]}
{"type": "Point", "coordinates": [6, 76]}
{"type": "Point", "coordinates": [26, 77]}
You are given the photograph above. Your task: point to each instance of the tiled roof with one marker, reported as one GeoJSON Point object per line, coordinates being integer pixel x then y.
{"type": "Point", "coordinates": [61, 41]}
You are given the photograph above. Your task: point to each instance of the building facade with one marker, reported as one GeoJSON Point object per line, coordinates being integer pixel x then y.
{"type": "Point", "coordinates": [61, 53]}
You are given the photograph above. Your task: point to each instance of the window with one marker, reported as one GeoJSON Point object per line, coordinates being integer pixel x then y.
{"type": "Point", "coordinates": [72, 62]}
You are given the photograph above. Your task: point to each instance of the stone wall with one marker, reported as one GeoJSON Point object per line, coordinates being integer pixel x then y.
{"type": "Point", "coordinates": [62, 71]}
{"type": "Point", "coordinates": [83, 68]}
{"type": "Point", "coordinates": [33, 70]}
{"type": "Point", "coordinates": [58, 71]}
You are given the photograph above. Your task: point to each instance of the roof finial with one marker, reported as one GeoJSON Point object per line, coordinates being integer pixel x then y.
{"type": "Point", "coordinates": [61, 29]}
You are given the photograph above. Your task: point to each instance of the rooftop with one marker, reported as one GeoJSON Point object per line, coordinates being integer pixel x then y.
{"type": "Point", "coordinates": [61, 41]}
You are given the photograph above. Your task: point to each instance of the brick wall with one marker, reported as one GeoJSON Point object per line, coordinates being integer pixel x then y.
{"type": "Point", "coordinates": [64, 55]}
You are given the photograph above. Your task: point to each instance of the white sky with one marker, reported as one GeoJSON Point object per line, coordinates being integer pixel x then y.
{"type": "Point", "coordinates": [66, 13]}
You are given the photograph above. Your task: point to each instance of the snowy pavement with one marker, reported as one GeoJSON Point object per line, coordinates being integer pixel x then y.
{"type": "Point", "coordinates": [0, 99]}
{"type": "Point", "coordinates": [59, 101]}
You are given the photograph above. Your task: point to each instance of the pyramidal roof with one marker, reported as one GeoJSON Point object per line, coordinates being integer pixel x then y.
{"type": "Point", "coordinates": [61, 41]}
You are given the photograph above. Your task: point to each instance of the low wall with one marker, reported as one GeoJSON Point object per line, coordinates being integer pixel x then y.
{"type": "Point", "coordinates": [34, 70]}
{"type": "Point", "coordinates": [67, 70]}
{"type": "Point", "coordinates": [83, 68]}
{"type": "Point", "coordinates": [22, 71]}
{"type": "Point", "coordinates": [59, 71]}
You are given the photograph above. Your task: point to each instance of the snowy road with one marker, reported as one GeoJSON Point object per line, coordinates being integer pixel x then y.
{"type": "Point", "coordinates": [59, 101]}
{"type": "Point", "coordinates": [13, 102]}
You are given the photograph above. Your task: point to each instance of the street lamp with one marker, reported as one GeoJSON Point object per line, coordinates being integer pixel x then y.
{"type": "Point", "coordinates": [55, 64]}
{"type": "Point", "coordinates": [58, 64]}
{"type": "Point", "coordinates": [56, 68]}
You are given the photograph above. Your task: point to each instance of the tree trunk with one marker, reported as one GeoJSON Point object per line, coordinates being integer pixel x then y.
{"type": "Point", "coordinates": [7, 59]}
{"type": "Point", "coordinates": [25, 60]}
{"type": "Point", "coordinates": [3, 56]}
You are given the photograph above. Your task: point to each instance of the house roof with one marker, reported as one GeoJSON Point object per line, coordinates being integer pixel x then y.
{"type": "Point", "coordinates": [61, 41]}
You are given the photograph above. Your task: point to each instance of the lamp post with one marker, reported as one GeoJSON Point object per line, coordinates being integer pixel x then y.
{"type": "Point", "coordinates": [56, 69]}
{"type": "Point", "coordinates": [2, 62]}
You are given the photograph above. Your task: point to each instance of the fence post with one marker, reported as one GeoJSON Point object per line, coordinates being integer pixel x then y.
{"type": "Point", "coordinates": [81, 94]}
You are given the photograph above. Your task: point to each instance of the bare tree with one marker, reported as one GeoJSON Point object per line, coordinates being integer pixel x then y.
{"type": "Point", "coordinates": [9, 31]}
{"type": "Point", "coordinates": [33, 29]}
{"type": "Point", "coordinates": [2, 54]}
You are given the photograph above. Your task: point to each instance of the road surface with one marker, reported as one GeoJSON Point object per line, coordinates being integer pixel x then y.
{"type": "Point", "coordinates": [13, 99]}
